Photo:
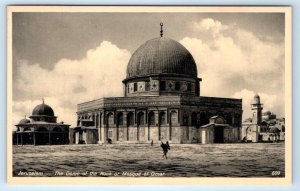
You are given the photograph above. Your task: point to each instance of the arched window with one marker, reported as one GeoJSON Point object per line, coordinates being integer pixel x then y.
{"type": "Point", "coordinates": [110, 119]}
{"type": "Point", "coordinates": [185, 118]}
{"type": "Point", "coordinates": [194, 118]}
{"type": "Point", "coordinates": [140, 118]}
{"type": "Point", "coordinates": [204, 119]}
{"type": "Point", "coordinates": [120, 118]}
{"type": "Point", "coordinates": [162, 118]}
{"type": "Point", "coordinates": [228, 118]}
{"type": "Point", "coordinates": [173, 117]}
{"type": "Point", "coordinates": [151, 118]}
{"type": "Point", "coordinates": [130, 119]}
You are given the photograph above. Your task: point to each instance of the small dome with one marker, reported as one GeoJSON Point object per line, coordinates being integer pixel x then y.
{"type": "Point", "coordinates": [43, 109]}
{"type": "Point", "coordinates": [24, 121]}
{"type": "Point", "coordinates": [256, 99]}
{"type": "Point", "coordinates": [267, 113]}
{"type": "Point", "coordinates": [274, 130]}
{"type": "Point", "coordinates": [256, 96]}
{"type": "Point", "coordinates": [161, 56]}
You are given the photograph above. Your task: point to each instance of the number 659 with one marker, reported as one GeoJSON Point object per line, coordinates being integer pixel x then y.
{"type": "Point", "coordinates": [275, 173]}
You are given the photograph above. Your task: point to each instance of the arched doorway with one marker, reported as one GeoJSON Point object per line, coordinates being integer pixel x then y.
{"type": "Point", "coordinates": [109, 125]}
{"type": "Point", "coordinates": [194, 118]}
{"type": "Point", "coordinates": [130, 123]}
{"type": "Point", "coordinates": [173, 121]}
{"type": "Point", "coordinates": [161, 121]}
{"type": "Point", "coordinates": [42, 136]}
{"type": "Point", "coordinates": [100, 127]}
{"type": "Point", "coordinates": [151, 122]}
{"type": "Point", "coordinates": [120, 133]}
{"type": "Point", "coordinates": [140, 121]}
{"type": "Point", "coordinates": [57, 136]}
{"type": "Point", "coordinates": [218, 134]}
{"type": "Point", "coordinates": [27, 136]}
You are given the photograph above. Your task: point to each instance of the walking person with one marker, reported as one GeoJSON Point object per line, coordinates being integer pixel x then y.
{"type": "Point", "coordinates": [165, 147]}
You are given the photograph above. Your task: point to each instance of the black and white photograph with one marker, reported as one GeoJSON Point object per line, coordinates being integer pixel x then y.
{"type": "Point", "coordinates": [149, 94]}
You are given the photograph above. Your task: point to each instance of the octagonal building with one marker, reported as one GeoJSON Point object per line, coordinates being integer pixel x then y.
{"type": "Point", "coordinates": [161, 102]}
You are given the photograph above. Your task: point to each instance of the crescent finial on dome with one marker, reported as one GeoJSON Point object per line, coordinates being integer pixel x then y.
{"type": "Point", "coordinates": [161, 29]}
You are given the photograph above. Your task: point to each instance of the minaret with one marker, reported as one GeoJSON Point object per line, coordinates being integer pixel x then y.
{"type": "Point", "coordinates": [257, 108]}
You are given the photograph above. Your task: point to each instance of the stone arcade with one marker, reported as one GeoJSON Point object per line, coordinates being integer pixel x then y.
{"type": "Point", "coordinates": [161, 102]}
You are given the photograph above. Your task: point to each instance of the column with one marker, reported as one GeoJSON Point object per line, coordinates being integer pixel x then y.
{"type": "Point", "coordinates": [156, 128]}
{"type": "Point", "coordinates": [95, 120]}
{"type": "Point", "coordinates": [99, 127]}
{"type": "Point", "coordinates": [125, 125]}
{"type": "Point", "coordinates": [17, 138]}
{"type": "Point", "coordinates": [102, 128]}
{"type": "Point", "coordinates": [233, 119]}
{"type": "Point", "coordinates": [49, 137]}
{"type": "Point", "coordinates": [146, 125]}
{"type": "Point", "coordinates": [33, 138]}
{"type": "Point", "coordinates": [22, 139]}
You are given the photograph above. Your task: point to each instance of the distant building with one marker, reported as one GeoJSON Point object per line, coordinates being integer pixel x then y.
{"type": "Point", "coordinates": [218, 131]}
{"type": "Point", "coordinates": [161, 102]}
{"type": "Point", "coordinates": [268, 115]}
{"type": "Point", "coordinates": [41, 128]}
{"type": "Point", "coordinates": [262, 127]}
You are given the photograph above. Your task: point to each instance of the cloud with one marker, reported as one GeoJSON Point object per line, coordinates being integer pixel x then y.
{"type": "Point", "coordinates": [236, 64]}
{"type": "Point", "coordinates": [209, 25]}
{"type": "Point", "coordinates": [270, 101]}
{"type": "Point", "coordinates": [237, 61]}
{"type": "Point", "coordinates": [98, 74]}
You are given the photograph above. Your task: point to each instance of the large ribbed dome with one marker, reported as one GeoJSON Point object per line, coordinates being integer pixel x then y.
{"type": "Point", "coordinates": [161, 56]}
{"type": "Point", "coordinates": [43, 109]}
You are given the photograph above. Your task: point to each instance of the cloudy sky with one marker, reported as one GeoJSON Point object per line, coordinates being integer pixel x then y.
{"type": "Point", "coordinates": [69, 58]}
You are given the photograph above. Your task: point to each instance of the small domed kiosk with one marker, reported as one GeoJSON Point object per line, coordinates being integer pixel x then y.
{"type": "Point", "coordinates": [41, 128]}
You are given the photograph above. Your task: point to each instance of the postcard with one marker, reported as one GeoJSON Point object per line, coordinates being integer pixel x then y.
{"type": "Point", "coordinates": [149, 95]}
